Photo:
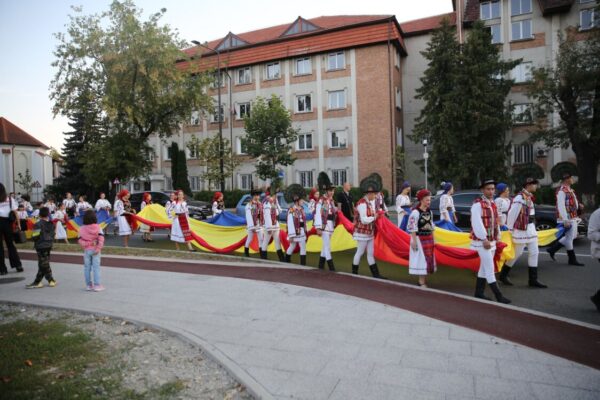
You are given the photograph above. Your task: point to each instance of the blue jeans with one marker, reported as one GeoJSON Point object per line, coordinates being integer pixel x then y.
{"type": "Point", "coordinates": [91, 265]}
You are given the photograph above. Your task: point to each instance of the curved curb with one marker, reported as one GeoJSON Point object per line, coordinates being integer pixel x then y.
{"type": "Point", "coordinates": [255, 388]}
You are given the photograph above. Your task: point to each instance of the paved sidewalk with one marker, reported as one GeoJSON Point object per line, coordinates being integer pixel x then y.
{"type": "Point", "coordinates": [286, 341]}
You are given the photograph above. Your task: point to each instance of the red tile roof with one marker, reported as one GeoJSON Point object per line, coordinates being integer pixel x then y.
{"type": "Point", "coordinates": [425, 25]}
{"type": "Point", "coordinates": [12, 134]}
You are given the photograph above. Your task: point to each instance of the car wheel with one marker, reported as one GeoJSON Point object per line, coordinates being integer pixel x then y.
{"type": "Point", "coordinates": [544, 226]}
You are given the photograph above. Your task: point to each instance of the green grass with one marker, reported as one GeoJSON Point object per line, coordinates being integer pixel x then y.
{"type": "Point", "coordinates": [51, 360]}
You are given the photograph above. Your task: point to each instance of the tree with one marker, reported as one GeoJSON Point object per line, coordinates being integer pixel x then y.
{"type": "Point", "coordinates": [207, 151]}
{"type": "Point", "coordinates": [173, 156]}
{"type": "Point", "coordinates": [323, 180]}
{"type": "Point", "coordinates": [466, 115]}
{"type": "Point", "coordinates": [183, 182]}
{"type": "Point", "coordinates": [571, 89]}
{"type": "Point", "coordinates": [559, 169]}
{"type": "Point", "coordinates": [524, 171]}
{"type": "Point", "coordinates": [269, 137]}
{"type": "Point", "coordinates": [25, 181]}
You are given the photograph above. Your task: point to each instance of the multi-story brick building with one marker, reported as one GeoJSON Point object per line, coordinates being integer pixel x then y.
{"type": "Point", "coordinates": [350, 83]}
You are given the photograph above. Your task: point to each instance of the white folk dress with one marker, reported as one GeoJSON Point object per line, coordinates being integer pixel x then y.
{"type": "Point", "coordinates": [417, 264]}
{"type": "Point", "coordinates": [293, 234]}
{"type": "Point", "coordinates": [143, 227]}
{"type": "Point", "coordinates": [402, 202]}
{"type": "Point", "coordinates": [502, 204]}
{"type": "Point", "coordinates": [177, 234]}
{"type": "Point", "coordinates": [124, 227]}
{"type": "Point", "coordinates": [447, 210]}
{"type": "Point", "coordinates": [102, 204]}
{"type": "Point", "coordinates": [522, 236]}
{"type": "Point", "coordinates": [61, 232]}
{"type": "Point", "coordinates": [82, 207]}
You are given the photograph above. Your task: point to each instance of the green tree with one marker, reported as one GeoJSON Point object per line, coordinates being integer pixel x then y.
{"type": "Point", "coordinates": [269, 137]}
{"type": "Point", "coordinates": [25, 181]}
{"type": "Point", "coordinates": [183, 181]}
{"type": "Point", "coordinates": [323, 180]}
{"type": "Point", "coordinates": [571, 89]}
{"type": "Point", "coordinates": [173, 156]}
{"type": "Point", "coordinates": [207, 151]}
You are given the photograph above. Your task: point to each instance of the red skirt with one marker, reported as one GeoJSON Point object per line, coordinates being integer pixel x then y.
{"type": "Point", "coordinates": [185, 227]}
{"type": "Point", "coordinates": [427, 245]}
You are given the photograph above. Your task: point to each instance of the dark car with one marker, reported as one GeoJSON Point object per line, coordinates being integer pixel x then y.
{"type": "Point", "coordinates": [197, 209]}
{"type": "Point", "coordinates": [545, 215]}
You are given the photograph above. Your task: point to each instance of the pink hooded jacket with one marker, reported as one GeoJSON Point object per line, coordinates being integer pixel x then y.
{"type": "Point", "coordinates": [91, 237]}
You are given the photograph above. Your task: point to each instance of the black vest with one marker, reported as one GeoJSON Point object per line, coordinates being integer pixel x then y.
{"type": "Point", "coordinates": [425, 223]}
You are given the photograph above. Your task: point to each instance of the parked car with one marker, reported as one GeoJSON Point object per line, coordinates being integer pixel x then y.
{"type": "Point", "coordinates": [545, 215]}
{"type": "Point", "coordinates": [197, 209]}
{"type": "Point", "coordinates": [240, 209]}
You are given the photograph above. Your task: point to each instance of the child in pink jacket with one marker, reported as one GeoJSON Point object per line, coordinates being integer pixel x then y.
{"type": "Point", "coordinates": [91, 239]}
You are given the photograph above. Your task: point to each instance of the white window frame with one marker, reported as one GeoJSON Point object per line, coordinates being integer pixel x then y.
{"type": "Point", "coordinates": [194, 183]}
{"type": "Point", "coordinates": [297, 103]}
{"type": "Point", "coordinates": [595, 19]}
{"type": "Point", "coordinates": [167, 147]}
{"type": "Point", "coordinates": [523, 153]}
{"type": "Point", "coordinates": [490, 5]}
{"type": "Point", "coordinates": [245, 77]}
{"type": "Point", "coordinates": [192, 155]}
{"type": "Point", "coordinates": [499, 27]}
{"type": "Point", "coordinates": [397, 59]}
{"type": "Point", "coordinates": [168, 183]}
{"type": "Point", "coordinates": [336, 55]}
{"type": "Point", "coordinates": [302, 59]}
{"type": "Point", "coordinates": [239, 148]}
{"type": "Point", "coordinates": [239, 106]}
{"type": "Point", "coordinates": [399, 138]}
{"type": "Point", "coordinates": [275, 76]}
{"type": "Point", "coordinates": [195, 118]}
{"type": "Point", "coordinates": [336, 132]}
{"type": "Point", "coordinates": [522, 72]}
{"type": "Point", "coordinates": [339, 176]}
{"type": "Point", "coordinates": [333, 99]}
{"type": "Point", "coordinates": [305, 148]}
{"type": "Point", "coordinates": [398, 98]}
{"type": "Point", "coordinates": [519, 111]}
{"type": "Point", "coordinates": [248, 178]}
{"type": "Point", "coordinates": [521, 30]}
{"type": "Point", "coordinates": [520, 11]}
{"type": "Point", "coordinates": [306, 179]}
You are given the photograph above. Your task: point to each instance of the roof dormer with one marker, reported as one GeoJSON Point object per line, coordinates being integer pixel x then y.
{"type": "Point", "coordinates": [230, 41]}
{"type": "Point", "coordinates": [300, 26]}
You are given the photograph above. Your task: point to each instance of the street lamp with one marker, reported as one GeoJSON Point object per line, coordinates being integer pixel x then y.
{"type": "Point", "coordinates": [425, 157]}
{"type": "Point", "coordinates": [221, 166]}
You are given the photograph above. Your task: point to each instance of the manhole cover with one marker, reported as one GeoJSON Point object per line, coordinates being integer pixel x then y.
{"type": "Point", "coordinates": [11, 280]}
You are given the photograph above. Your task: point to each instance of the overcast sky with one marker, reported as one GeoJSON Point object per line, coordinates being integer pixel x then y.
{"type": "Point", "coordinates": [27, 42]}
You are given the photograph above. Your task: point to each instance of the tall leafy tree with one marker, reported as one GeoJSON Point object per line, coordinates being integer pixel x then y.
{"type": "Point", "coordinates": [571, 89]}
{"type": "Point", "coordinates": [174, 157]}
{"type": "Point", "coordinates": [183, 181]}
{"type": "Point", "coordinates": [269, 137]}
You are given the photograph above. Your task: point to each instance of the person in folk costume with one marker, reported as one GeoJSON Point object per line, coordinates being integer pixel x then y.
{"type": "Point", "coordinates": [313, 198]}
{"type": "Point", "coordinates": [448, 218]}
{"type": "Point", "coordinates": [102, 203]}
{"type": "Point", "coordinates": [502, 203]}
{"type": "Point", "coordinates": [403, 203]}
{"type": "Point", "coordinates": [271, 211]}
{"type": "Point", "coordinates": [123, 212]}
{"type": "Point", "coordinates": [567, 213]}
{"type": "Point", "coordinates": [22, 214]}
{"type": "Point", "coordinates": [169, 209]}
{"type": "Point", "coordinates": [485, 231]}
{"type": "Point", "coordinates": [324, 220]}
{"type": "Point", "coordinates": [51, 206]}
{"type": "Point", "coordinates": [296, 224]}
{"type": "Point", "coordinates": [145, 229]}
{"type": "Point", "coordinates": [441, 189]}
{"type": "Point", "coordinates": [254, 216]}
{"type": "Point", "coordinates": [420, 225]}
{"type": "Point", "coordinates": [70, 205]}
{"type": "Point", "coordinates": [60, 220]}
{"type": "Point", "coordinates": [180, 227]}
{"type": "Point", "coordinates": [82, 206]}
{"type": "Point", "coordinates": [521, 222]}
{"type": "Point", "coordinates": [365, 216]}
{"type": "Point", "coordinates": [26, 204]}
{"type": "Point", "coordinates": [218, 203]}
{"type": "Point", "coordinates": [379, 203]}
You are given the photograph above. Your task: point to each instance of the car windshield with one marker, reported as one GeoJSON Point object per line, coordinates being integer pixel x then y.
{"type": "Point", "coordinates": [465, 198]}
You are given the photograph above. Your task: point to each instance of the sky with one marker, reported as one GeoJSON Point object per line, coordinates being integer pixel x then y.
{"type": "Point", "coordinates": [27, 41]}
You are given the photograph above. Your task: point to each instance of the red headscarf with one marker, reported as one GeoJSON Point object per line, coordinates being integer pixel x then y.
{"type": "Point", "coordinates": [122, 193]}
{"type": "Point", "coordinates": [314, 194]}
{"type": "Point", "coordinates": [216, 196]}
{"type": "Point", "coordinates": [147, 198]}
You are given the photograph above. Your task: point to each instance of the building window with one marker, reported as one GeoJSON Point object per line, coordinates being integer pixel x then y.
{"type": "Point", "coordinates": [336, 61]}
{"type": "Point", "coordinates": [273, 70]}
{"type": "Point", "coordinates": [168, 150]}
{"type": "Point", "coordinates": [489, 9]}
{"type": "Point", "coordinates": [399, 137]}
{"type": "Point", "coordinates": [496, 33]}
{"type": "Point", "coordinates": [522, 72]}
{"type": "Point", "coordinates": [241, 147]}
{"type": "Point", "coordinates": [303, 66]}
{"type": "Point", "coordinates": [339, 177]}
{"type": "Point", "coordinates": [518, 7]}
{"type": "Point", "coordinates": [339, 139]}
{"type": "Point", "coordinates": [305, 178]}
{"type": "Point", "coordinates": [398, 99]}
{"type": "Point", "coordinates": [397, 59]}
{"type": "Point", "coordinates": [195, 183]}
{"type": "Point", "coordinates": [192, 152]}
{"type": "Point", "coordinates": [303, 103]}
{"type": "Point", "coordinates": [588, 19]}
{"type": "Point", "coordinates": [243, 110]}
{"type": "Point", "coordinates": [522, 114]}
{"type": "Point", "coordinates": [523, 153]}
{"type": "Point", "coordinates": [521, 30]}
{"type": "Point", "coordinates": [221, 112]}
{"type": "Point", "coordinates": [337, 99]}
{"type": "Point", "coordinates": [215, 82]}
{"type": "Point", "coordinates": [195, 118]}
{"type": "Point", "coordinates": [245, 181]}
{"type": "Point", "coordinates": [244, 76]}
{"type": "Point", "coordinates": [304, 141]}
{"type": "Point", "coordinates": [168, 184]}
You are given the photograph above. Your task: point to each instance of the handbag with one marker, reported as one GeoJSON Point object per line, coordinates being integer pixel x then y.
{"type": "Point", "coordinates": [19, 236]}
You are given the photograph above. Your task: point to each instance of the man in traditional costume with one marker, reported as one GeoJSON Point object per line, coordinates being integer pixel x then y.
{"type": "Point", "coordinates": [296, 223]}
{"type": "Point", "coordinates": [254, 212]}
{"type": "Point", "coordinates": [271, 211]}
{"type": "Point", "coordinates": [324, 221]}
{"type": "Point", "coordinates": [365, 216]}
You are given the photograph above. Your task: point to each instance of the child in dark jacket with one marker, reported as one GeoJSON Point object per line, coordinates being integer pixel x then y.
{"type": "Point", "coordinates": [43, 237]}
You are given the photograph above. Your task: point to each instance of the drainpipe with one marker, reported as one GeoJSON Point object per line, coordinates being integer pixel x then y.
{"type": "Point", "coordinates": [14, 189]}
{"type": "Point", "coordinates": [391, 109]}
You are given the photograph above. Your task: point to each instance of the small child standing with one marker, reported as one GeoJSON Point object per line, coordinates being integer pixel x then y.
{"type": "Point", "coordinates": [22, 217]}
{"type": "Point", "coordinates": [91, 239]}
{"type": "Point", "coordinates": [43, 236]}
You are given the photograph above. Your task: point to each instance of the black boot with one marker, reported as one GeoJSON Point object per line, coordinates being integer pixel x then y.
{"type": "Point", "coordinates": [498, 294]}
{"type": "Point", "coordinates": [288, 258]}
{"type": "Point", "coordinates": [280, 255]}
{"type": "Point", "coordinates": [246, 252]}
{"type": "Point", "coordinates": [553, 248]}
{"type": "Point", "coordinates": [375, 272]}
{"type": "Point", "coordinates": [263, 255]}
{"type": "Point", "coordinates": [355, 269]}
{"type": "Point", "coordinates": [321, 262]}
{"type": "Point", "coordinates": [596, 299]}
{"type": "Point", "coordinates": [302, 259]}
{"type": "Point", "coordinates": [503, 276]}
{"type": "Point", "coordinates": [480, 289]}
{"type": "Point", "coordinates": [533, 279]}
{"type": "Point", "coordinates": [330, 265]}
{"type": "Point", "coordinates": [573, 259]}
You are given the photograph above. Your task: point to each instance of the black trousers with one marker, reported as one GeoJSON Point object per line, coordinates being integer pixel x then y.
{"type": "Point", "coordinates": [44, 270]}
{"type": "Point", "coordinates": [6, 232]}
